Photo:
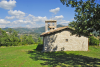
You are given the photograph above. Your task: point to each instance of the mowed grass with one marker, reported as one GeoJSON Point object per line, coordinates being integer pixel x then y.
{"type": "Point", "coordinates": [28, 56]}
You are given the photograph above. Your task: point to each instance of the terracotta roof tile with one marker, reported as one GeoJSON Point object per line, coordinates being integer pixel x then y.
{"type": "Point", "coordinates": [54, 21]}
{"type": "Point", "coordinates": [52, 31]}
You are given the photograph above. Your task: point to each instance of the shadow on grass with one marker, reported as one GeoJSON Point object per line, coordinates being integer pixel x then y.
{"type": "Point", "coordinates": [63, 59]}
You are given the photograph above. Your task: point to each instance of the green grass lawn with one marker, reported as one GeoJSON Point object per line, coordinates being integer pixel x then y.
{"type": "Point", "coordinates": [28, 56]}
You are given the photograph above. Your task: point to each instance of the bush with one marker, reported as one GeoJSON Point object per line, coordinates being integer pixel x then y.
{"type": "Point", "coordinates": [8, 44]}
{"type": "Point", "coordinates": [93, 41]}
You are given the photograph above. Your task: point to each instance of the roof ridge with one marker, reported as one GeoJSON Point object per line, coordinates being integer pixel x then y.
{"type": "Point", "coordinates": [55, 30]}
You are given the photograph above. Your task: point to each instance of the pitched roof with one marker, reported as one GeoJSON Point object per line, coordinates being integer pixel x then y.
{"type": "Point", "coordinates": [53, 21]}
{"type": "Point", "coordinates": [55, 30]}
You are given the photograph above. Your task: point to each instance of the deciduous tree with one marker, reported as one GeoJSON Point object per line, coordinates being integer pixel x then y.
{"type": "Point", "coordinates": [87, 15]}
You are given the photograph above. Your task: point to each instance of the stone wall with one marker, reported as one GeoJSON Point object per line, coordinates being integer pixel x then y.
{"type": "Point", "coordinates": [64, 41]}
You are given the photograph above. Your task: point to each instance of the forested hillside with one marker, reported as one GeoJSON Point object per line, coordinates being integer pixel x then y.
{"type": "Point", "coordinates": [22, 36]}
{"type": "Point", "coordinates": [12, 38]}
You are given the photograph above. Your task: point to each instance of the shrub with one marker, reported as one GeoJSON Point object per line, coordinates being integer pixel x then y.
{"type": "Point", "coordinates": [93, 41]}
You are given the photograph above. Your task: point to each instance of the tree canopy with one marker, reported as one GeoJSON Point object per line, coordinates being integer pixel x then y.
{"type": "Point", "coordinates": [12, 39]}
{"type": "Point", "coordinates": [87, 15]}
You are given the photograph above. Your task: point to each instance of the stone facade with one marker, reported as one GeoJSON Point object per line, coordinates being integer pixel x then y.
{"type": "Point", "coordinates": [64, 41]}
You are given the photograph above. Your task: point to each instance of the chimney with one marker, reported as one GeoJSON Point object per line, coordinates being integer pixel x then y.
{"type": "Point", "coordinates": [51, 26]}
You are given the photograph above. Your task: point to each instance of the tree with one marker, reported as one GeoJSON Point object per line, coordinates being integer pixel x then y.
{"type": "Point", "coordinates": [24, 37]}
{"type": "Point", "coordinates": [4, 39]}
{"type": "Point", "coordinates": [10, 30]}
{"type": "Point", "coordinates": [30, 40]}
{"type": "Point", "coordinates": [13, 37]}
{"type": "Point", "coordinates": [27, 39]}
{"type": "Point", "coordinates": [39, 41]}
{"type": "Point", "coordinates": [87, 16]}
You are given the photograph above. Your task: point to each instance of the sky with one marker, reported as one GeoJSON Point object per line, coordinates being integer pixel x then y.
{"type": "Point", "coordinates": [33, 13]}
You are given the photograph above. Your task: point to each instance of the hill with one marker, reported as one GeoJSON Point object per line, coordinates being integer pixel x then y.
{"type": "Point", "coordinates": [21, 30]}
{"type": "Point", "coordinates": [31, 30]}
{"type": "Point", "coordinates": [35, 32]}
{"type": "Point", "coordinates": [42, 29]}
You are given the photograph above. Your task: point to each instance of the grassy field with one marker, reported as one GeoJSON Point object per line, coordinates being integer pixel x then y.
{"type": "Point", "coordinates": [28, 56]}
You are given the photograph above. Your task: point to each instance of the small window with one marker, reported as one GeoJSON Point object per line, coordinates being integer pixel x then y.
{"type": "Point", "coordinates": [66, 40]}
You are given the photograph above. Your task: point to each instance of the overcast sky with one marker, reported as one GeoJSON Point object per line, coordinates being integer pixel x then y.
{"type": "Point", "coordinates": [33, 13]}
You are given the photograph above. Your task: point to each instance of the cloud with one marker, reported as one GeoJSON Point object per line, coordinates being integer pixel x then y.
{"type": "Point", "coordinates": [64, 21]}
{"type": "Point", "coordinates": [21, 22]}
{"type": "Point", "coordinates": [7, 4]}
{"type": "Point", "coordinates": [28, 26]}
{"type": "Point", "coordinates": [55, 10]}
{"type": "Point", "coordinates": [2, 21]}
{"type": "Point", "coordinates": [30, 21]}
{"type": "Point", "coordinates": [27, 21]}
{"type": "Point", "coordinates": [30, 15]}
{"type": "Point", "coordinates": [73, 19]}
{"type": "Point", "coordinates": [2, 26]}
{"type": "Point", "coordinates": [58, 17]}
{"type": "Point", "coordinates": [18, 21]}
{"type": "Point", "coordinates": [60, 20]}
{"type": "Point", "coordinates": [21, 16]}
{"type": "Point", "coordinates": [35, 19]}
{"type": "Point", "coordinates": [17, 14]}
{"type": "Point", "coordinates": [39, 19]}
{"type": "Point", "coordinates": [12, 17]}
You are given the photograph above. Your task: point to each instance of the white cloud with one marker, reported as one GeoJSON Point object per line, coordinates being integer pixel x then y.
{"type": "Point", "coordinates": [12, 17]}
{"type": "Point", "coordinates": [60, 20]}
{"type": "Point", "coordinates": [55, 10]}
{"type": "Point", "coordinates": [30, 21]}
{"type": "Point", "coordinates": [64, 21]}
{"type": "Point", "coordinates": [58, 17]}
{"type": "Point", "coordinates": [35, 19]}
{"type": "Point", "coordinates": [18, 22]}
{"type": "Point", "coordinates": [2, 26]}
{"type": "Point", "coordinates": [7, 4]}
{"type": "Point", "coordinates": [28, 26]}
{"type": "Point", "coordinates": [2, 21]}
{"type": "Point", "coordinates": [39, 19]}
{"type": "Point", "coordinates": [73, 19]}
{"type": "Point", "coordinates": [18, 14]}
{"type": "Point", "coordinates": [30, 15]}
{"type": "Point", "coordinates": [22, 22]}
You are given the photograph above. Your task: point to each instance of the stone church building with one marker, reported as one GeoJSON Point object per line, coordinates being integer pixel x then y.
{"type": "Point", "coordinates": [60, 39]}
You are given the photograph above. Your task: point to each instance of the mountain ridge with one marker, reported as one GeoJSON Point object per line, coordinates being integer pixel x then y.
{"type": "Point", "coordinates": [38, 30]}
